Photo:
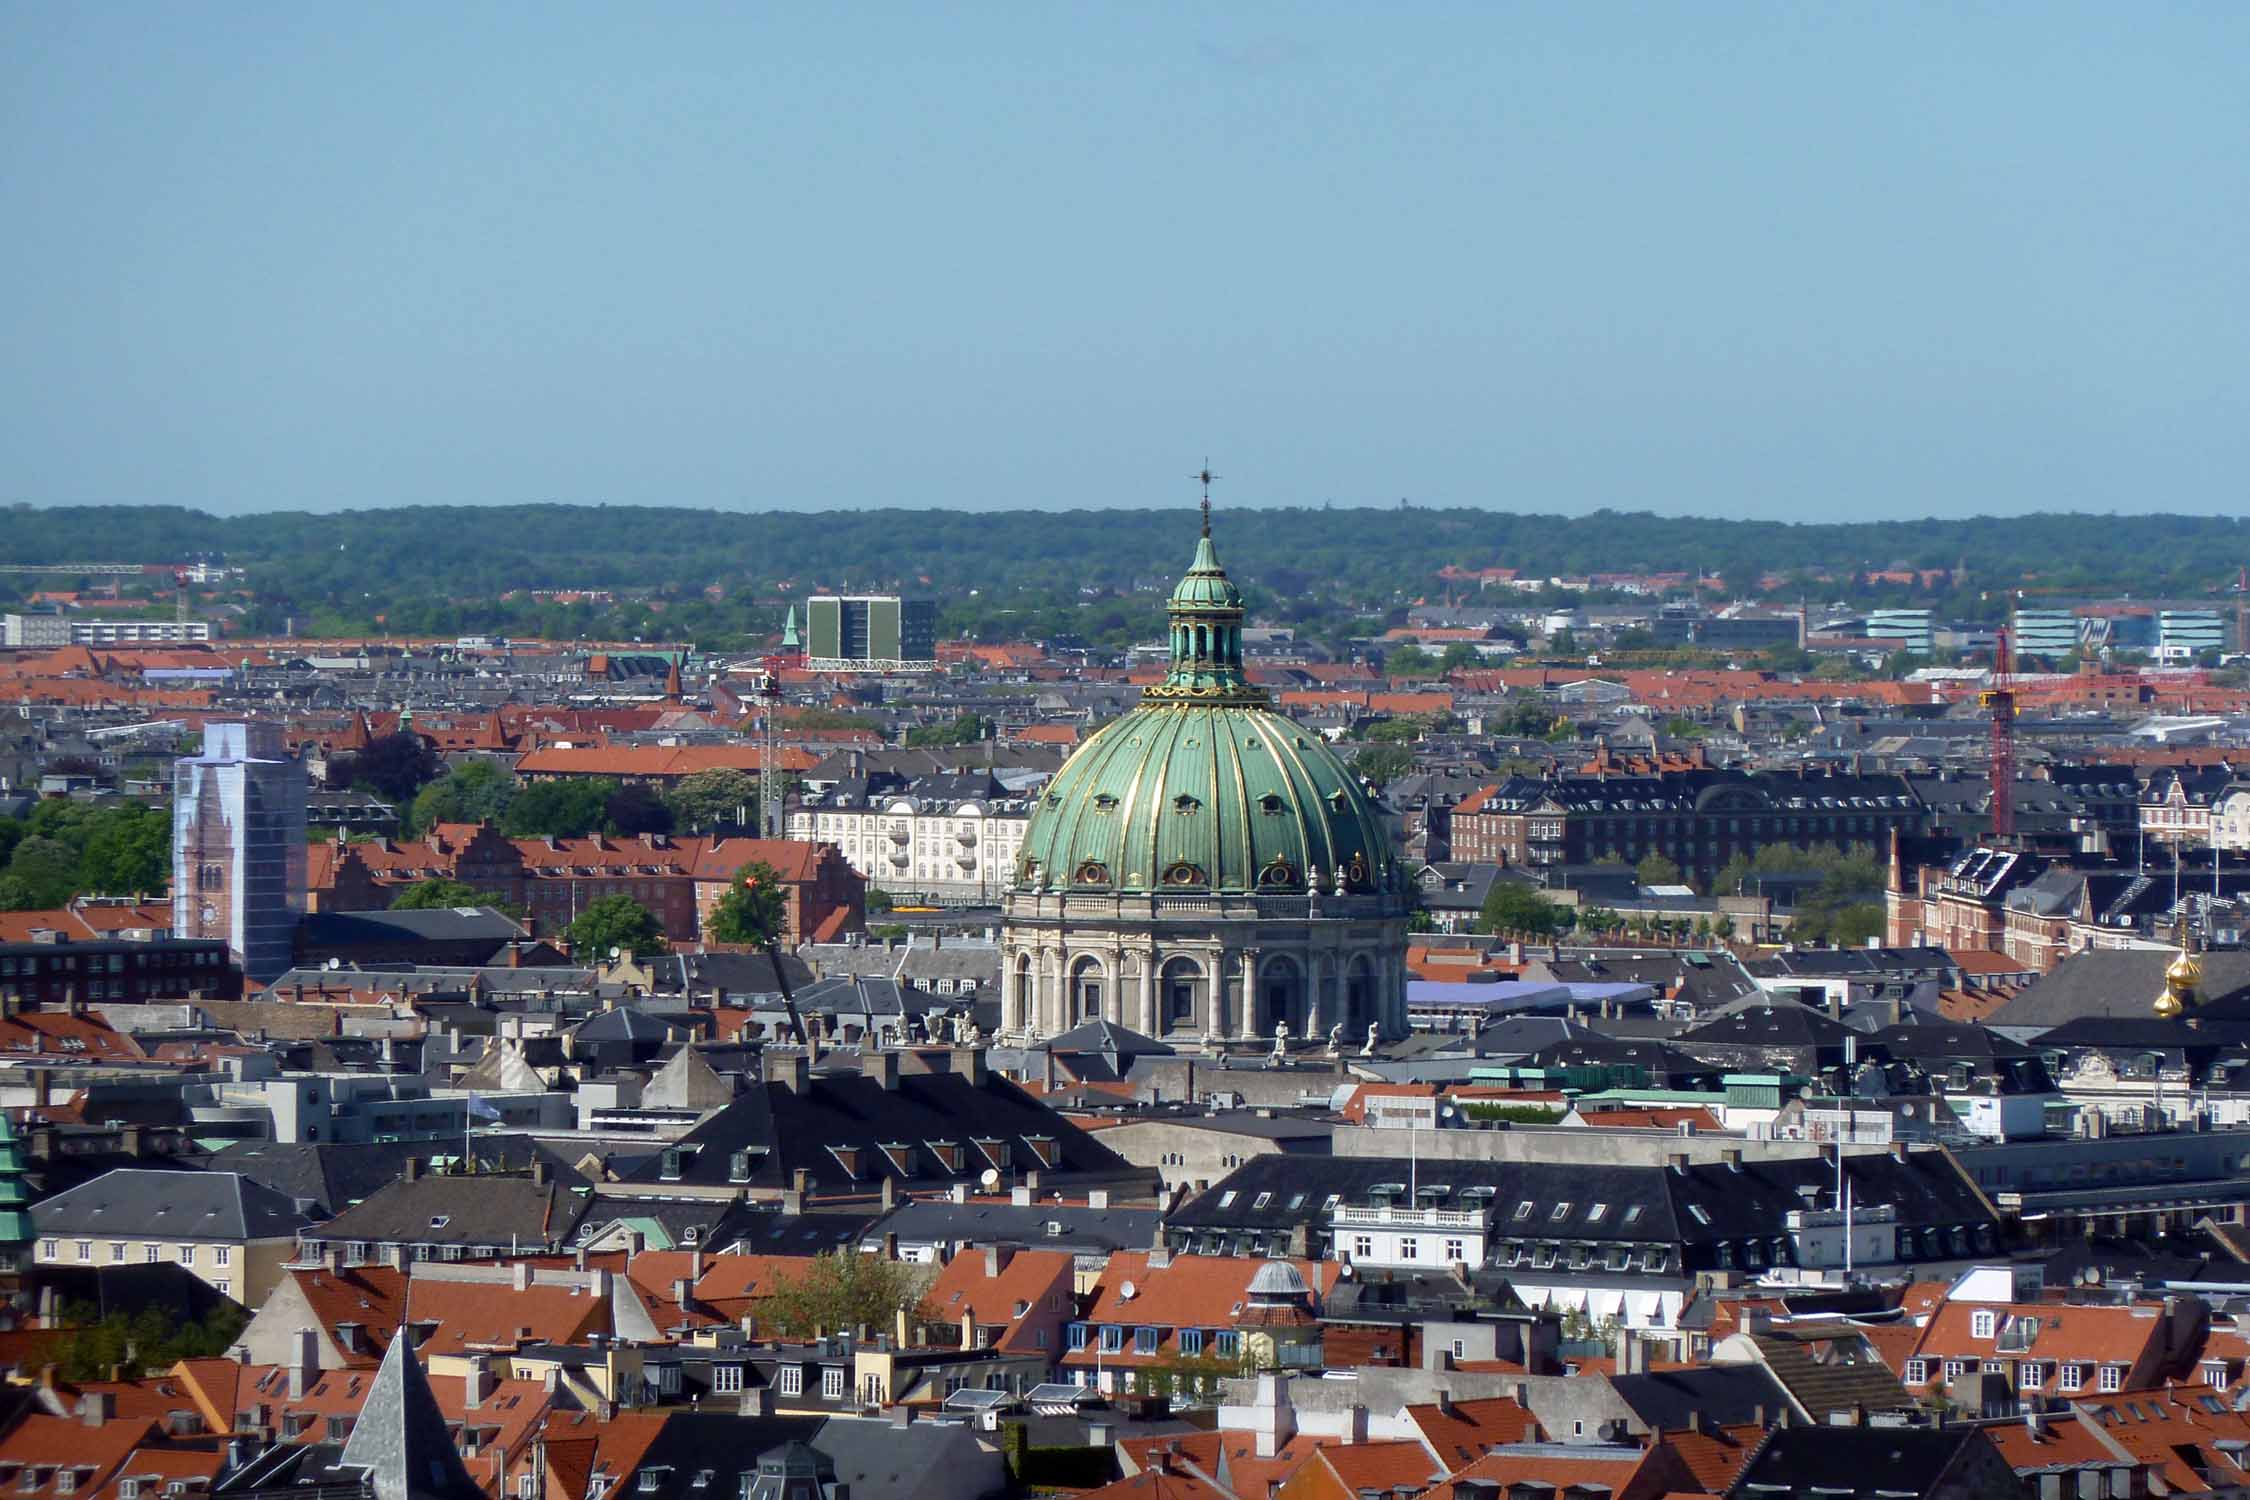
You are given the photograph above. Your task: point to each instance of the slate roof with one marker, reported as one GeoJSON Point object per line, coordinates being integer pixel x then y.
{"type": "Point", "coordinates": [475, 1209]}
{"type": "Point", "coordinates": [437, 924]}
{"type": "Point", "coordinates": [1696, 1207]}
{"type": "Point", "coordinates": [1851, 1461]}
{"type": "Point", "coordinates": [332, 1176]}
{"type": "Point", "coordinates": [145, 1203]}
{"type": "Point", "coordinates": [2122, 982]}
{"type": "Point", "coordinates": [400, 1438]}
{"type": "Point", "coordinates": [883, 1461]}
{"type": "Point", "coordinates": [693, 1443]}
{"type": "Point", "coordinates": [982, 1222]}
{"type": "Point", "coordinates": [1724, 1394]}
{"type": "Point", "coordinates": [993, 1124]}
{"type": "Point", "coordinates": [1782, 1025]}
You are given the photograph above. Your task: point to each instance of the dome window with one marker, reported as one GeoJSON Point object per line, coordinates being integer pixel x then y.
{"type": "Point", "coordinates": [1186, 805]}
{"type": "Point", "coordinates": [1184, 873]}
{"type": "Point", "coordinates": [1093, 872]}
{"type": "Point", "coordinates": [1277, 875]}
{"type": "Point", "coordinates": [1105, 802]}
{"type": "Point", "coordinates": [1271, 803]}
{"type": "Point", "coordinates": [1340, 800]}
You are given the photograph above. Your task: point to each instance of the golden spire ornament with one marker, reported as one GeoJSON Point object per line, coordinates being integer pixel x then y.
{"type": "Point", "coordinates": [2182, 977]}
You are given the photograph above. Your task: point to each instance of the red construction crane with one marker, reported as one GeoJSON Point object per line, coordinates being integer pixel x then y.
{"type": "Point", "coordinates": [2000, 700]}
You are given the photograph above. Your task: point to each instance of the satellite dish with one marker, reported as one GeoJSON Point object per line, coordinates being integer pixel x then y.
{"type": "Point", "coordinates": [1128, 1292]}
{"type": "Point", "coordinates": [616, 953]}
{"type": "Point", "coordinates": [991, 1177]}
{"type": "Point", "coordinates": [334, 964]}
{"type": "Point", "coordinates": [1344, 1271]}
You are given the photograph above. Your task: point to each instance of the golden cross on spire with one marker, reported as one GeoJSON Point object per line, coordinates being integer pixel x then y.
{"type": "Point", "coordinates": [1204, 477]}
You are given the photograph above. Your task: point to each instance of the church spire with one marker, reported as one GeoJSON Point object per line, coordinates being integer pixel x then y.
{"type": "Point", "coordinates": [1206, 629]}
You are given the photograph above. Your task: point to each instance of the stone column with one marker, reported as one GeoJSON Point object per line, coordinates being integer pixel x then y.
{"type": "Point", "coordinates": [1051, 1000]}
{"type": "Point", "coordinates": [1011, 996]}
{"type": "Point", "coordinates": [1215, 1012]}
{"type": "Point", "coordinates": [1250, 994]}
{"type": "Point", "coordinates": [1148, 994]}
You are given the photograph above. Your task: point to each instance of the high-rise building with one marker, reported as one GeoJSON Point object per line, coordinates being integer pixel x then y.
{"type": "Point", "coordinates": [870, 633]}
{"type": "Point", "coordinates": [2184, 634]}
{"type": "Point", "coordinates": [2044, 632]}
{"type": "Point", "coordinates": [238, 845]}
{"type": "Point", "coordinates": [1909, 627]}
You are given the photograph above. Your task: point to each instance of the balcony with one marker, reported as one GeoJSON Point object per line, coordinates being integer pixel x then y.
{"type": "Point", "coordinates": [967, 837]}
{"type": "Point", "coordinates": [1410, 1218]}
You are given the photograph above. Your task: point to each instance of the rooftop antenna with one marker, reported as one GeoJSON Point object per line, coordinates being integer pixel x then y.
{"type": "Point", "coordinates": [1204, 476]}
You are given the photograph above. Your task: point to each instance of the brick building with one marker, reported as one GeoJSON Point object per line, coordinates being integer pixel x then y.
{"type": "Point", "coordinates": [1698, 817]}
{"type": "Point", "coordinates": [554, 879]}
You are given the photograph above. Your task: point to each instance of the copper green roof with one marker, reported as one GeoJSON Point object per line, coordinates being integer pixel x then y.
{"type": "Point", "coordinates": [1204, 787]}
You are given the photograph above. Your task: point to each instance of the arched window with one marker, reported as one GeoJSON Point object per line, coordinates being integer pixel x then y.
{"type": "Point", "coordinates": [1359, 991]}
{"type": "Point", "coordinates": [1281, 986]}
{"type": "Point", "coordinates": [1184, 987]}
{"type": "Point", "coordinates": [1085, 989]}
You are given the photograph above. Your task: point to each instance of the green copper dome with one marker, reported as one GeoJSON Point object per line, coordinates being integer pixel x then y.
{"type": "Point", "coordinates": [1204, 787]}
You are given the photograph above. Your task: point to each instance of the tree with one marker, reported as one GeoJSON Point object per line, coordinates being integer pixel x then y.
{"type": "Point", "coordinates": [1512, 906]}
{"type": "Point", "coordinates": [396, 765]}
{"type": "Point", "coordinates": [571, 808]}
{"type": "Point", "coordinates": [1384, 763]}
{"type": "Point", "coordinates": [843, 1290]}
{"type": "Point", "coordinates": [1410, 660]}
{"type": "Point", "coordinates": [439, 894]}
{"type": "Point", "coordinates": [1528, 717]}
{"type": "Point", "coordinates": [98, 1348]}
{"type": "Point", "coordinates": [617, 922]}
{"type": "Point", "coordinates": [715, 799]}
{"type": "Point", "coordinates": [754, 912]}
{"type": "Point", "coordinates": [633, 809]}
{"type": "Point", "coordinates": [128, 852]}
{"type": "Point", "coordinates": [965, 730]}
{"type": "Point", "coordinates": [43, 872]}
{"type": "Point", "coordinates": [1457, 656]}
{"type": "Point", "coordinates": [1655, 869]}
{"type": "Point", "coordinates": [475, 791]}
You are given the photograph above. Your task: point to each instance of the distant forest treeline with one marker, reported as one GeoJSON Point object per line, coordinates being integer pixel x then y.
{"type": "Point", "coordinates": [431, 569]}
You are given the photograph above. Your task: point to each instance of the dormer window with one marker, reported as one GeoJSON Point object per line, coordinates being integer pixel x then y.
{"type": "Point", "coordinates": [1186, 805]}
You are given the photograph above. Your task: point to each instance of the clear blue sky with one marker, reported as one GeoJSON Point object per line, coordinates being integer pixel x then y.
{"type": "Point", "coordinates": [1798, 261]}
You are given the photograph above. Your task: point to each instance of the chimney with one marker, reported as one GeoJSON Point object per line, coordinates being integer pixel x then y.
{"type": "Point", "coordinates": [520, 1275]}
{"type": "Point", "coordinates": [792, 1070]}
{"type": "Point", "coordinates": [996, 1258]}
{"type": "Point", "coordinates": [97, 1407]}
{"type": "Point", "coordinates": [477, 1387]}
{"type": "Point", "coordinates": [412, 1169]}
{"type": "Point", "coordinates": [304, 1362]}
{"type": "Point", "coordinates": [880, 1065]}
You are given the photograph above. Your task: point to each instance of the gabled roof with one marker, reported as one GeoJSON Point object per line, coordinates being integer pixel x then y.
{"type": "Point", "coordinates": [474, 1209]}
{"type": "Point", "coordinates": [851, 1133]}
{"type": "Point", "coordinates": [146, 1203]}
{"type": "Point", "coordinates": [400, 1438]}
